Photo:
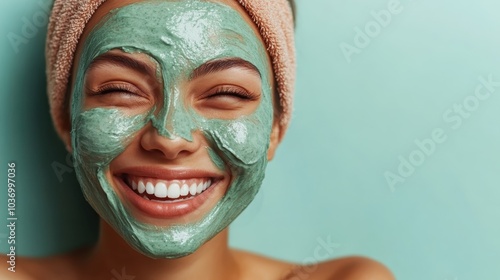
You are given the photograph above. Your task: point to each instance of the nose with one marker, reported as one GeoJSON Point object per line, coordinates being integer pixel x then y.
{"type": "Point", "coordinates": [170, 148]}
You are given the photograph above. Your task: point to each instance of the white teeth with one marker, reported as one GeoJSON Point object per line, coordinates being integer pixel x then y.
{"type": "Point", "coordinates": [192, 189]}
{"type": "Point", "coordinates": [161, 190]}
{"type": "Point", "coordinates": [150, 188]}
{"type": "Point", "coordinates": [140, 187]}
{"type": "Point", "coordinates": [205, 186]}
{"type": "Point", "coordinates": [184, 190]}
{"type": "Point", "coordinates": [174, 191]}
{"type": "Point", "coordinates": [145, 197]}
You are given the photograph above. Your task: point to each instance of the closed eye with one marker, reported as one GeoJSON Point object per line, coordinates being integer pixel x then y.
{"type": "Point", "coordinates": [233, 92]}
{"type": "Point", "coordinates": [114, 88]}
{"type": "Point", "coordinates": [118, 94]}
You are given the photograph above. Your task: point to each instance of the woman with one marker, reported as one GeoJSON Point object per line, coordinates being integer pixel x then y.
{"type": "Point", "coordinates": [172, 111]}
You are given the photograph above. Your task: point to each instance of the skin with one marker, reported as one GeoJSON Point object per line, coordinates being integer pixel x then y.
{"type": "Point", "coordinates": [214, 259]}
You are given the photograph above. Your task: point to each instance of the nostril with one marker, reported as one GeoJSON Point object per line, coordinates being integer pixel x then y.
{"type": "Point", "coordinates": [170, 148]}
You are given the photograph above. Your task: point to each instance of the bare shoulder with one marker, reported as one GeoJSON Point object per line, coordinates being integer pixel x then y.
{"type": "Point", "coordinates": [350, 268]}
{"type": "Point", "coordinates": [30, 268]}
{"type": "Point", "coordinates": [256, 266]}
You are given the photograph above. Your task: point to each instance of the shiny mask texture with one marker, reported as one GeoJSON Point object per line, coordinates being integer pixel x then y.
{"type": "Point", "coordinates": [180, 36]}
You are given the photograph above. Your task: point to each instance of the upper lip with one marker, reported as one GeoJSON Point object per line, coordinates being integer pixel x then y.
{"type": "Point", "coordinates": [167, 173]}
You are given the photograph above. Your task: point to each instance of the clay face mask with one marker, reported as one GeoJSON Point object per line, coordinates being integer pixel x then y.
{"type": "Point", "coordinates": [180, 36]}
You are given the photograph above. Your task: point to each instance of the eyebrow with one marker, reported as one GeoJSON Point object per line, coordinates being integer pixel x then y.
{"type": "Point", "coordinates": [223, 64]}
{"type": "Point", "coordinates": [206, 68]}
{"type": "Point", "coordinates": [123, 61]}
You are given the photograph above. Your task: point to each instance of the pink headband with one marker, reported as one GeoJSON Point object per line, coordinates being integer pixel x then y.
{"type": "Point", "coordinates": [68, 19]}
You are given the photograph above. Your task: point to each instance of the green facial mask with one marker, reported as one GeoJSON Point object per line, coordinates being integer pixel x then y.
{"type": "Point", "coordinates": [180, 36]}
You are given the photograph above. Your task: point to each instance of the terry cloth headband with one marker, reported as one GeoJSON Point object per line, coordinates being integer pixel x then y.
{"type": "Point", "coordinates": [68, 18]}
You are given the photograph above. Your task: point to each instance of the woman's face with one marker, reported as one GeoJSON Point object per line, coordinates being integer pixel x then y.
{"type": "Point", "coordinates": [172, 116]}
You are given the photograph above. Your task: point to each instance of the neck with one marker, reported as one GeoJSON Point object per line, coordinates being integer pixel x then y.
{"type": "Point", "coordinates": [113, 258]}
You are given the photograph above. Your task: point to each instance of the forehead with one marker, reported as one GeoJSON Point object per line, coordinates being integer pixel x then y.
{"type": "Point", "coordinates": [179, 32]}
{"type": "Point", "coordinates": [108, 6]}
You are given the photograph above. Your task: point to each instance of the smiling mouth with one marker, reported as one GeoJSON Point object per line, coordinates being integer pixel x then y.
{"type": "Point", "coordinates": [167, 191]}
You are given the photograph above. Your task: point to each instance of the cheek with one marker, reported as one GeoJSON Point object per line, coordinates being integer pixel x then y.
{"type": "Point", "coordinates": [242, 145]}
{"type": "Point", "coordinates": [242, 141]}
{"type": "Point", "coordinates": [100, 135]}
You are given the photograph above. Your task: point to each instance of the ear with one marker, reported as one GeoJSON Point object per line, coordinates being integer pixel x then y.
{"type": "Point", "coordinates": [67, 143]}
{"type": "Point", "coordinates": [66, 127]}
{"type": "Point", "coordinates": [69, 148]}
{"type": "Point", "coordinates": [274, 140]}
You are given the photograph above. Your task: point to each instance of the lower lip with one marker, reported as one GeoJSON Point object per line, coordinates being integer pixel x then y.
{"type": "Point", "coordinates": [168, 209]}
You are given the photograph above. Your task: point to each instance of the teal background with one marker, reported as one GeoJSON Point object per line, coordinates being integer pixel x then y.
{"type": "Point", "coordinates": [352, 122]}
